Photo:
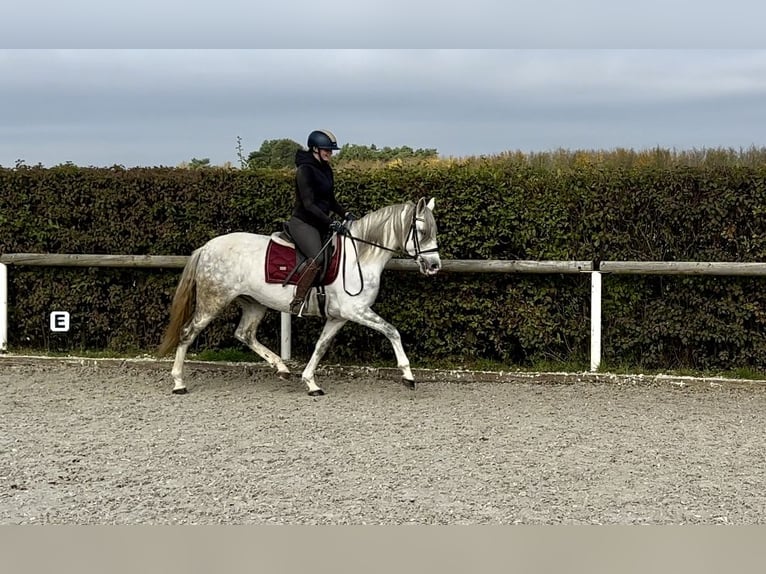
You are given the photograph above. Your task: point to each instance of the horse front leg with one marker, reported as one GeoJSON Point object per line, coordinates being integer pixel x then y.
{"type": "Point", "coordinates": [331, 328]}
{"type": "Point", "coordinates": [370, 319]}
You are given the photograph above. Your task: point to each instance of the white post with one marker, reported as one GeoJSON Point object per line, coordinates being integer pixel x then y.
{"type": "Point", "coordinates": [595, 320]}
{"type": "Point", "coordinates": [3, 308]}
{"type": "Point", "coordinates": [286, 336]}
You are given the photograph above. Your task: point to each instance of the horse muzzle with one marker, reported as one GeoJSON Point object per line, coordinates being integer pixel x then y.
{"type": "Point", "coordinates": [429, 265]}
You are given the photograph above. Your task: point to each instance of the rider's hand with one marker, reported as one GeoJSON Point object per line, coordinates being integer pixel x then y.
{"type": "Point", "coordinates": [338, 227]}
{"type": "Point", "coordinates": [350, 216]}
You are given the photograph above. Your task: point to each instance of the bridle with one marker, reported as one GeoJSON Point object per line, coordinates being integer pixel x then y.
{"type": "Point", "coordinates": [415, 239]}
{"type": "Point", "coordinates": [413, 231]}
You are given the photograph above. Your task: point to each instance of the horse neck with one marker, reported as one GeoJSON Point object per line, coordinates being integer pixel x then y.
{"type": "Point", "coordinates": [385, 227]}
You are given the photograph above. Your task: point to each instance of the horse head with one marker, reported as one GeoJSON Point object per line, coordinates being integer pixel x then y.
{"type": "Point", "coordinates": [420, 243]}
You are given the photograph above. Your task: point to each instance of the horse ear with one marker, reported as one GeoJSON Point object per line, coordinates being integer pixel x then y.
{"type": "Point", "coordinates": [431, 203]}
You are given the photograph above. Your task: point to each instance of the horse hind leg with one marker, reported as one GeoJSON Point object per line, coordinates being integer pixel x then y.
{"type": "Point", "coordinates": [252, 315]}
{"type": "Point", "coordinates": [189, 333]}
{"type": "Point", "coordinates": [207, 309]}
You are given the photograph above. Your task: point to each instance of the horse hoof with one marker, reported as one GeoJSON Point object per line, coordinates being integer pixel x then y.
{"type": "Point", "coordinates": [317, 393]}
{"type": "Point", "coordinates": [181, 391]}
{"type": "Point", "coordinates": [285, 376]}
{"type": "Point", "coordinates": [409, 383]}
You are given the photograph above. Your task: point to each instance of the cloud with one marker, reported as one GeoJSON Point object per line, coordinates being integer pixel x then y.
{"type": "Point", "coordinates": [393, 24]}
{"type": "Point", "coordinates": [166, 106]}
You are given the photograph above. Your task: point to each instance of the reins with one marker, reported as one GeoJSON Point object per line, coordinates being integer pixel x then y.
{"type": "Point", "coordinates": [415, 239]}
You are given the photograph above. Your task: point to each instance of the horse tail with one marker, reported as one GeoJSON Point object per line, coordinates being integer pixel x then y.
{"type": "Point", "coordinates": [182, 308]}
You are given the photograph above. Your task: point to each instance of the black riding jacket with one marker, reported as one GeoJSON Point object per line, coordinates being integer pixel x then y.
{"type": "Point", "coordinates": [314, 191]}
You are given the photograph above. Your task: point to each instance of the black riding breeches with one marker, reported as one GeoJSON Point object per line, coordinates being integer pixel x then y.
{"type": "Point", "coordinates": [307, 238]}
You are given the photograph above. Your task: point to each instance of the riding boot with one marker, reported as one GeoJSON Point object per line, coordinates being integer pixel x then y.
{"type": "Point", "coordinates": [302, 288]}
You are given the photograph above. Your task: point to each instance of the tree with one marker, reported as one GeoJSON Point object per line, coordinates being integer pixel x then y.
{"type": "Point", "coordinates": [355, 152]}
{"type": "Point", "coordinates": [278, 153]}
{"type": "Point", "coordinates": [195, 163]}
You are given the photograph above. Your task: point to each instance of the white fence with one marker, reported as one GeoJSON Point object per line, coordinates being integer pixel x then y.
{"type": "Point", "coordinates": [454, 266]}
{"type": "Point", "coordinates": [3, 308]}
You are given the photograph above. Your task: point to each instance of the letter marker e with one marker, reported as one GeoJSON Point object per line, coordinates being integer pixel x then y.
{"type": "Point", "coordinates": [60, 321]}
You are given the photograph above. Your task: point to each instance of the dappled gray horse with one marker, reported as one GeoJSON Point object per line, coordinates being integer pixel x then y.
{"type": "Point", "coordinates": [232, 267]}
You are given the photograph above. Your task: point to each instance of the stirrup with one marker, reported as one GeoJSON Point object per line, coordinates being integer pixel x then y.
{"type": "Point", "coordinates": [296, 307]}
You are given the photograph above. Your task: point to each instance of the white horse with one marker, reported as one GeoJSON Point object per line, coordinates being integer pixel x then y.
{"type": "Point", "coordinates": [232, 267]}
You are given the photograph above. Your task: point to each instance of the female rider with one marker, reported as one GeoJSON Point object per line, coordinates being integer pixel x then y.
{"type": "Point", "coordinates": [314, 201]}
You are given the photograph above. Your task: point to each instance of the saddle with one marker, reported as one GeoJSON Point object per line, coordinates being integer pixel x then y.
{"type": "Point", "coordinates": [283, 261]}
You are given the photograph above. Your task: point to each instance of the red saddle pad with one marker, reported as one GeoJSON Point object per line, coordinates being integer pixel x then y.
{"type": "Point", "coordinates": [280, 260]}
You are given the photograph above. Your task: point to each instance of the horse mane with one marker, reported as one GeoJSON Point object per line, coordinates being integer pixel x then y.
{"type": "Point", "coordinates": [388, 226]}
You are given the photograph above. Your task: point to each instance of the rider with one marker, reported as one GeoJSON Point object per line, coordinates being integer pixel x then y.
{"type": "Point", "coordinates": [314, 200]}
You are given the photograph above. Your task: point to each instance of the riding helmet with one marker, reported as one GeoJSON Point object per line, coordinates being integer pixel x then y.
{"type": "Point", "coordinates": [322, 139]}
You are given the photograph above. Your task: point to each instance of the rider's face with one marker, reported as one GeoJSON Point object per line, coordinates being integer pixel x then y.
{"type": "Point", "coordinates": [325, 154]}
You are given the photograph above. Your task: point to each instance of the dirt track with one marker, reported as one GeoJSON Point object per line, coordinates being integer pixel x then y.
{"type": "Point", "coordinates": [112, 445]}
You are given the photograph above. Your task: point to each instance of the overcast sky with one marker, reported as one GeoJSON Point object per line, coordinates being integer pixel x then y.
{"type": "Point", "coordinates": [93, 86]}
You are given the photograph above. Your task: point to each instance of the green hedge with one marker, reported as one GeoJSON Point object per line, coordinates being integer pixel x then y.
{"type": "Point", "coordinates": [496, 208]}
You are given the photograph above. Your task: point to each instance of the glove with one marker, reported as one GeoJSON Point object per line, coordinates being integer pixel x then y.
{"type": "Point", "coordinates": [350, 216]}
{"type": "Point", "coordinates": [338, 227]}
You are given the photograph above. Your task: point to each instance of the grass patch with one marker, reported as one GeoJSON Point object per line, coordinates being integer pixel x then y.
{"type": "Point", "coordinates": [744, 373]}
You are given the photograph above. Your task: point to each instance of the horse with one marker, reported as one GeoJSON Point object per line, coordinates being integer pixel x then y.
{"type": "Point", "coordinates": [232, 268]}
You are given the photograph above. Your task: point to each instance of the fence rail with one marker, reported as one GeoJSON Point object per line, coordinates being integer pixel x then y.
{"type": "Point", "coordinates": [95, 260]}
{"type": "Point", "coordinates": [682, 268]}
{"type": "Point", "coordinates": [450, 266]}
{"type": "Point", "coordinates": [178, 261]}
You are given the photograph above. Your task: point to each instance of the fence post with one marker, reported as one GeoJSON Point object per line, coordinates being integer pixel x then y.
{"type": "Point", "coordinates": [285, 336]}
{"type": "Point", "coordinates": [595, 320]}
{"type": "Point", "coordinates": [3, 308]}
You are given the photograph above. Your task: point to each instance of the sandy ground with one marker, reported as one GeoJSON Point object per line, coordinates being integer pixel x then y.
{"type": "Point", "coordinates": [111, 445]}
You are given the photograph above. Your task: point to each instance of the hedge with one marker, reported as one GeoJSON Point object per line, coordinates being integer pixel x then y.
{"type": "Point", "coordinates": [494, 208]}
